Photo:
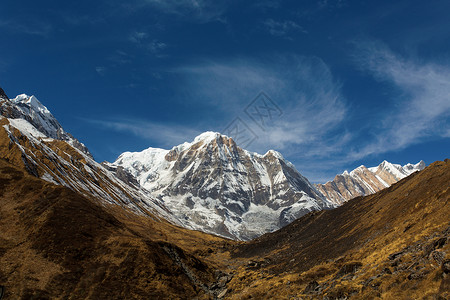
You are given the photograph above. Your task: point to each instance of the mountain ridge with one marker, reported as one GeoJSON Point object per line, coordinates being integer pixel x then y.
{"type": "Point", "coordinates": [364, 181]}
{"type": "Point", "coordinates": [61, 159]}
{"type": "Point", "coordinates": [33, 111]}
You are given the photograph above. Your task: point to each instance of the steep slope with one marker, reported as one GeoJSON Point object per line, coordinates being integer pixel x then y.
{"type": "Point", "coordinates": [365, 181]}
{"type": "Point", "coordinates": [215, 186]}
{"type": "Point", "coordinates": [32, 138]}
{"type": "Point", "coordinates": [392, 244]}
{"type": "Point", "coordinates": [58, 244]}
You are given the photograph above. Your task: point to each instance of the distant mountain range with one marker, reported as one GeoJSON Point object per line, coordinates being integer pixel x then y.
{"type": "Point", "coordinates": [209, 184]}
{"type": "Point", "coordinates": [364, 181]}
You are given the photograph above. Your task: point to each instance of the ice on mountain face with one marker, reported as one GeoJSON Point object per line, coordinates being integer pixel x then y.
{"type": "Point", "coordinates": [38, 114]}
{"type": "Point", "coordinates": [34, 103]}
{"type": "Point", "coordinates": [410, 168]}
{"type": "Point", "coordinates": [26, 128]}
{"type": "Point", "coordinates": [398, 171]}
{"type": "Point", "coordinates": [207, 137]}
{"type": "Point", "coordinates": [214, 186]}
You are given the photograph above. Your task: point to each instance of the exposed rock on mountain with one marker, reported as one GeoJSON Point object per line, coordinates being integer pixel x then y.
{"type": "Point", "coordinates": [3, 95]}
{"type": "Point", "coordinates": [215, 186]}
{"type": "Point", "coordinates": [365, 181]}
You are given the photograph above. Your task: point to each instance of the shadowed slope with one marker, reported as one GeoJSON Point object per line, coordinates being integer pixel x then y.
{"type": "Point", "coordinates": [360, 238]}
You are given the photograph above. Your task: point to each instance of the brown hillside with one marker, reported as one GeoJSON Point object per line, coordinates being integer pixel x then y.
{"type": "Point", "coordinates": [57, 244]}
{"type": "Point", "coordinates": [393, 244]}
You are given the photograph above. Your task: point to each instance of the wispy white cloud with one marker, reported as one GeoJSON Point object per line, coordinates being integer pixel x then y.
{"type": "Point", "coordinates": [138, 36]}
{"type": "Point", "coordinates": [100, 70]}
{"type": "Point", "coordinates": [167, 135]}
{"type": "Point", "coordinates": [302, 87]}
{"type": "Point", "coordinates": [421, 111]}
{"type": "Point", "coordinates": [142, 39]}
{"type": "Point", "coordinates": [120, 57]}
{"type": "Point", "coordinates": [156, 47]}
{"type": "Point", "coordinates": [315, 125]}
{"type": "Point", "coordinates": [31, 27]}
{"type": "Point", "coordinates": [283, 28]}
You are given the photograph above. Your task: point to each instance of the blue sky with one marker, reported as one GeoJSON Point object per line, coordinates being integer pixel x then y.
{"type": "Point", "coordinates": [336, 84]}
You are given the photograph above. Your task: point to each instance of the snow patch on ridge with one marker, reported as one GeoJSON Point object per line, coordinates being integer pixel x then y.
{"type": "Point", "coordinates": [26, 128]}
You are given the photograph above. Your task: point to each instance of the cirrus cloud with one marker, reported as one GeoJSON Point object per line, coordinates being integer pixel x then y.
{"type": "Point", "coordinates": [422, 109]}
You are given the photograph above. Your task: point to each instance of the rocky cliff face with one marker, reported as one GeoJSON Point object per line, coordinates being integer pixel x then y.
{"type": "Point", "coordinates": [216, 186]}
{"type": "Point", "coordinates": [3, 95]}
{"type": "Point", "coordinates": [365, 181]}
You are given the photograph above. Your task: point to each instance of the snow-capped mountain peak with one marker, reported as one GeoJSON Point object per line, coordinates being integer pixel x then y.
{"type": "Point", "coordinates": [208, 136]}
{"type": "Point", "coordinates": [218, 187]}
{"type": "Point", "coordinates": [411, 168]}
{"type": "Point", "coordinates": [27, 112]}
{"type": "Point", "coordinates": [396, 170]}
{"type": "Point", "coordinates": [275, 154]}
{"type": "Point", "coordinates": [32, 102]}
